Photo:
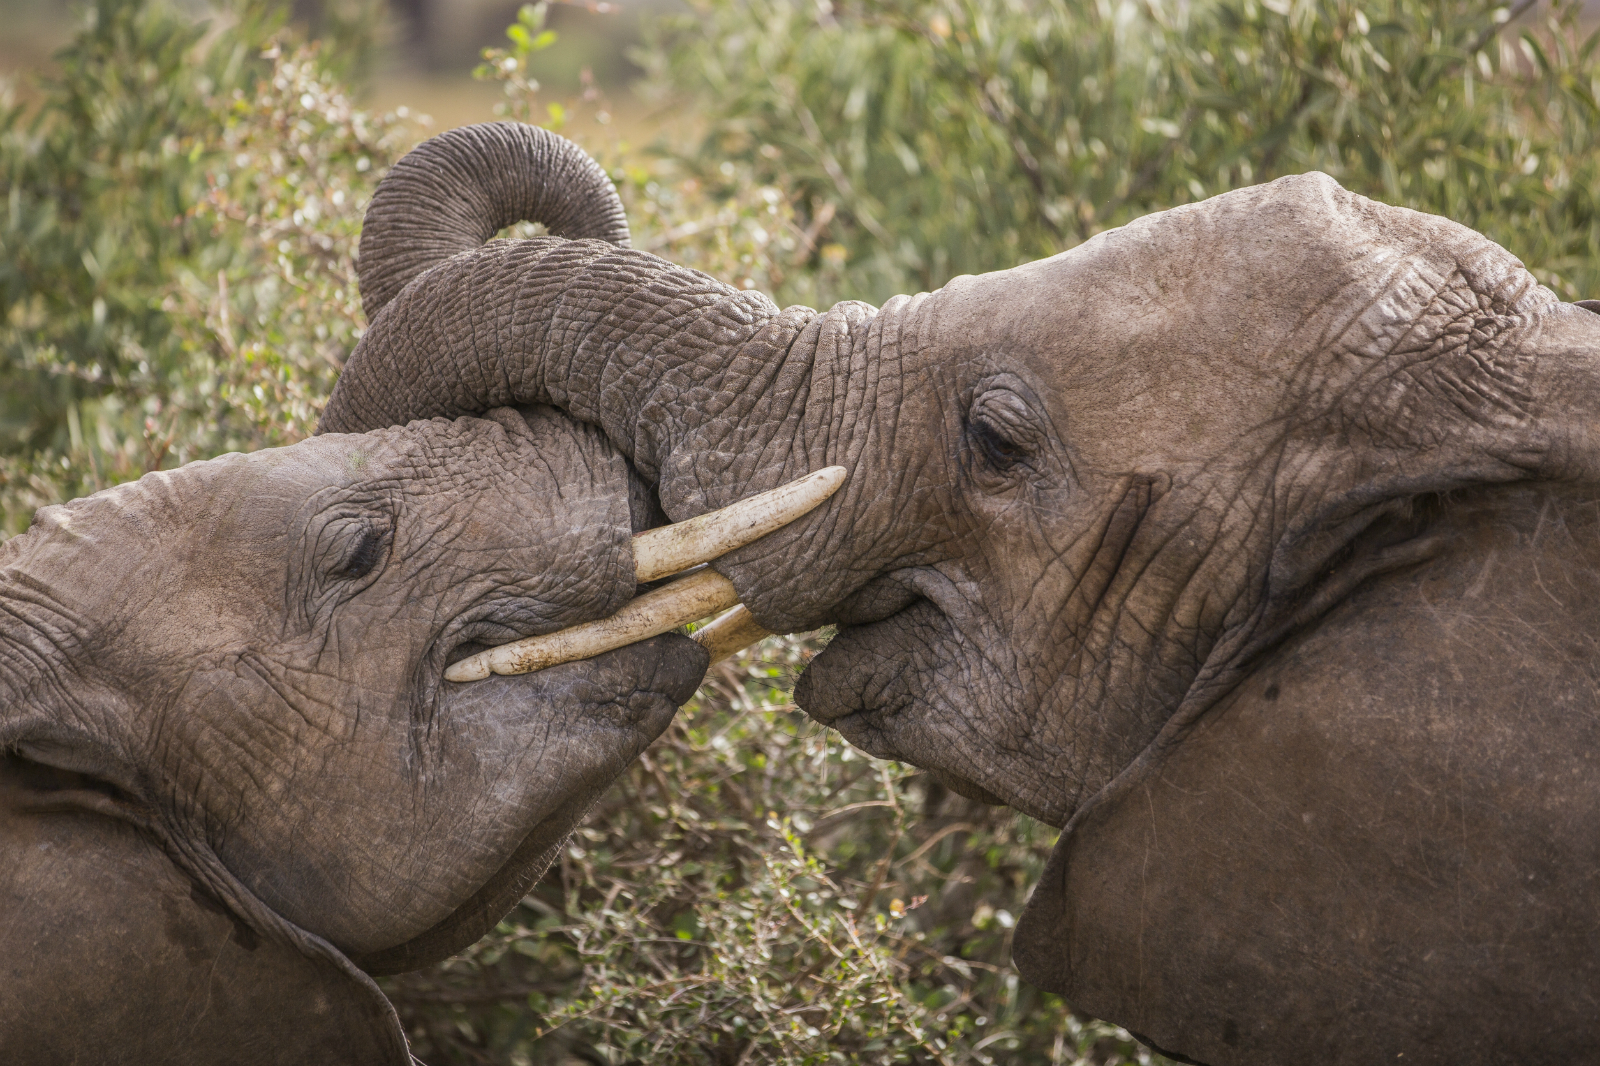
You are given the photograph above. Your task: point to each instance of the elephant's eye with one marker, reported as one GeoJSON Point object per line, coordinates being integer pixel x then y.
{"type": "Point", "coordinates": [364, 551]}
{"type": "Point", "coordinates": [999, 451]}
{"type": "Point", "coordinates": [1003, 430]}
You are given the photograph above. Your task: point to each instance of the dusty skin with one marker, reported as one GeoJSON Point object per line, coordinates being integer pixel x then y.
{"type": "Point", "coordinates": [236, 780]}
{"type": "Point", "coordinates": [235, 776]}
{"type": "Point", "coordinates": [1254, 543]}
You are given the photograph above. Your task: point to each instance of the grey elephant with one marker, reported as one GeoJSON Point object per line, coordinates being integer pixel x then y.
{"type": "Point", "coordinates": [1253, 543]}
{"type": "Point", "coordinates": [235, 781]}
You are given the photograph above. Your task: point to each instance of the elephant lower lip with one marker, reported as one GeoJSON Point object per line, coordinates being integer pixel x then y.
{"type": "Point", "coordinates": [876, 690]}
{"type": "Point", "coordinates": [876, 601]}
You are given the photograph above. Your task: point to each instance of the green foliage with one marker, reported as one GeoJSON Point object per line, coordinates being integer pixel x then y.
{"type": "Point", "coordinates": [175, 267]}
{"type": "Point", "coordinates": [926, 138]}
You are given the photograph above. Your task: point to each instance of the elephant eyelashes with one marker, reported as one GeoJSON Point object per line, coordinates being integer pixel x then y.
{"type": "Point", "coordinates": [999, 451]}
{"type": "Point", "coordinates": [363, 554]}
{"type": "Point", "coordinates": [1003, 429]}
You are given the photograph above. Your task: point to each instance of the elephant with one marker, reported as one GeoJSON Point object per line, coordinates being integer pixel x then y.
{"type": "Point", "coordinates": [1252, 543]}
{"type": "Point", "coordinates": [234, 782]}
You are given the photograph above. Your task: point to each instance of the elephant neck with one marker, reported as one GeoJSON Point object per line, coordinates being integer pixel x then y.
{"type": "Point", "coordinates": [1498, 568]}
{"type": "Point", "coordinates": [1435, 727]}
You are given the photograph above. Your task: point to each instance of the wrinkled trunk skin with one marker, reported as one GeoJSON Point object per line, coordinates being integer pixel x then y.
{"type": "Point", "coordinates": [1381, 846]}
{"type": "Point", "coordinates": [477, 180]}
{"type": "Point", "coordinates": [655, 355]}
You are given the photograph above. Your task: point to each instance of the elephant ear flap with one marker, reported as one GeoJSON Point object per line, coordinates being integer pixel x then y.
{"type": "Point", "coordinates": [114, 955]}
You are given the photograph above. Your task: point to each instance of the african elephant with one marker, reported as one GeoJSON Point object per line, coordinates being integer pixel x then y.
{"type": "Point", "coordinates": [1253, 543]}
{"type": "Point", "coordinates": [235, 778]}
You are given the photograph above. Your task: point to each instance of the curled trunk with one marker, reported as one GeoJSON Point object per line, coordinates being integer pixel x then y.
{"type": "Point", "coordinates": [709, 390]}
{"type": "Point", "coordinates": [459, 189]}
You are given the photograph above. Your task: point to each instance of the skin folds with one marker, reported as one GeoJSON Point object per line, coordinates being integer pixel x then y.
{"type": "Point", "coordinates": [1287, 441]}
{"type": "Point", "coordinates": [236, 776]}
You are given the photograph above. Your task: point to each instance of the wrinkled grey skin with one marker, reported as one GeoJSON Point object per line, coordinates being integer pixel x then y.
{"type": "Point", "coordinates": [1251, 542]}
{"type": "Point", "coordinates": [234, 775]}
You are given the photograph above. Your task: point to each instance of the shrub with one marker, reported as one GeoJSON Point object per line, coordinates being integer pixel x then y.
{"type": "Point", "coordinates": [175, 277]}
{"type": "Point", "coordinates": [927, 138]}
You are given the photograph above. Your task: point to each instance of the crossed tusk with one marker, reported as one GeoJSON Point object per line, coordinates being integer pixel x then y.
{"type": "Point", "coordinates": [658, 553]}
{"type": "Point", "coordinates": [730, 634]}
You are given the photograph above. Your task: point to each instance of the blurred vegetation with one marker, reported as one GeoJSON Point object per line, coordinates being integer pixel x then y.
{"type": "Point", "coordinates": [176, 279]}
{"type": "Point", "coordinates": [175, 269]}
{"type": "Point", "coordinates": [921, 139]}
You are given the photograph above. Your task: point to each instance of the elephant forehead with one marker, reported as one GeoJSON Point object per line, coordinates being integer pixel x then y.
{"type": "Point", "coordinates": [1191, 325]}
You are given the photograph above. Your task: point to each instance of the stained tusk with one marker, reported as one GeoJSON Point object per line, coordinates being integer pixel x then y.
{"type": "Point", "coordinates": [658, 611]}
{"type": "Point", "coordinates": [652, 613]}
{"type": "Point", "coordinates": [671, 549]}
{"type": "Point", "coordinates": [658, 553]}
{"type": "Point", "coordinates": [730, 634]}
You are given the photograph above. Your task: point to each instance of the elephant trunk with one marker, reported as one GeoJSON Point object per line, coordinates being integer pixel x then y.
{"type": "Point", "coordinates": [615, 337]}
{"type": "Point", "coordinates": [457, 190]}
{"type": "Point", "coordinates": [712, 392]}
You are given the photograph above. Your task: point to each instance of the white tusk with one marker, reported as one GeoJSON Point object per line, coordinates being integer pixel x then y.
{"type": "Point", "coordinates": [656, 612]}
{"type": "Point", "coordinates": [730, 634]}
{"type": "Point", "coordinates": [671, 549]}
{"type": "Point", "coordinates": [658, 553]}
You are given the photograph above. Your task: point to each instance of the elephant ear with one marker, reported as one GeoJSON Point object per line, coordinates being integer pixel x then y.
{"type": "Point", "coordinates": [454, 192]}
{"type": "Point", "coordinates": [112, 954]}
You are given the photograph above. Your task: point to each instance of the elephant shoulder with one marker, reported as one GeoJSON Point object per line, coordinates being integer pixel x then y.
{"type": "Point", "coordinates": [1379, 844]}
{"type": "Point", "coordinates": [111, 954]}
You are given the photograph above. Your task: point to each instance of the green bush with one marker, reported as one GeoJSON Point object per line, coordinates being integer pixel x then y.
{"type": "Point", "coordinates": [927, 138]}
{"type": "Point", "coordinates": [175, 269]}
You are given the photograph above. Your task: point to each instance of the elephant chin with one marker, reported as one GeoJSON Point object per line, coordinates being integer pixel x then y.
{"type": "Point", "coordinates": [512, 764]}
{"type": "Point", "coordinates": [864, 684]}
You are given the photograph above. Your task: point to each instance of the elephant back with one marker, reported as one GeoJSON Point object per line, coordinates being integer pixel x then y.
{"type": "Point", "coordinates": [455, 191]}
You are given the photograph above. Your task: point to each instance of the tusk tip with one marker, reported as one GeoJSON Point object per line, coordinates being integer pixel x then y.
{"type": "Point", "coordinates": [832, 476]}
{"type": "Point", "coordinates": [470, 669]}
{"type": "Point", "coordinates": [675, 548]}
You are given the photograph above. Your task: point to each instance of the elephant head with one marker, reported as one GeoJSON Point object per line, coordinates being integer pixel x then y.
{"type": "Point", "coordinates": [234, 772]}
{"type": "Point", "coordinates": [1083, 491]}
{"type": "Point", "coordinates": [1119, 530]}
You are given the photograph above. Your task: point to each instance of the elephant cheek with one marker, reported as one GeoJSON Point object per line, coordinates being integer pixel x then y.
{"type": "Point", "coordinates": [916, 688]}
{"type": "Point", "coordinates": [515, 765]}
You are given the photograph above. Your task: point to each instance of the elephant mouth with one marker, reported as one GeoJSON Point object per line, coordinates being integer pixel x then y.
{"type": "Point", "coordinates": [625, 699]}
{"type": "Point", "coordinates": [868, 682]}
